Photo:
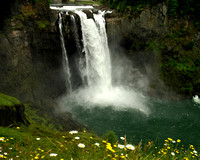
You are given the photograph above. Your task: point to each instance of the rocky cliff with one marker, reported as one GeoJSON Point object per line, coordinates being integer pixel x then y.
{"type": "Point", "coordinates": [31, 60]}
{"type": "Point", "coordinates": [158, 46]}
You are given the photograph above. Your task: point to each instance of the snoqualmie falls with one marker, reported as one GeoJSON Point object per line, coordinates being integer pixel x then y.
{"type": "Point", "coordinates": [104, 104]}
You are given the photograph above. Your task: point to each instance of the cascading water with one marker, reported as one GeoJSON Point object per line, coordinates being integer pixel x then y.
{"type": "Point", "coordinates": [81, 58]}
{"type": "Point", "coordinates": [65, 58]}
{"type": "Point", "coordinates": [100, 91]}
{"type": "Point", "coordinates": [98, 63]}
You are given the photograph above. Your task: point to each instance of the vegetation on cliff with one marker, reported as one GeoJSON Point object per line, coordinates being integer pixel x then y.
{"type": "Point", "coordinates": [175, 7]}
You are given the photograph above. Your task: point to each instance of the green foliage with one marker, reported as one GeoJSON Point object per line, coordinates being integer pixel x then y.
{"type": "Point", "coordinates": [42, 24]}
{"type": "Point", "coordinates": [111, 137]}
{"type": "Point", "coordinates": [39, 143]}
{"type": "Point", "coordinates": [8, 100]}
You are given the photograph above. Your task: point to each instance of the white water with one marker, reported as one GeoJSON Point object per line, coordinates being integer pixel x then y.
{"type": "Point", "coordinates": [97, 53]}
{"type": "Point", "coordinates": [81, 58]}
{"type": "Point", "coordinates": [100, 91]}
{"type": "Point", "coordinates": [65, 58]}
{"type": "Point", "coordinates": [70, 8]}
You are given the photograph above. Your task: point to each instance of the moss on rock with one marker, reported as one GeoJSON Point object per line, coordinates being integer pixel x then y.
{"type": "Point", "coordinates": [11, 111]}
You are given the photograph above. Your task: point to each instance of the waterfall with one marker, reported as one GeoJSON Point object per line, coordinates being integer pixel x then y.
{"type": "Point", "coordinates": [94, 65]}
{"type": "Point", "coordinates": [98, 66]}
{"type": "Point", "coordinates": [65, 58]}
{"type": "Point", "coordinates": [81, 57]}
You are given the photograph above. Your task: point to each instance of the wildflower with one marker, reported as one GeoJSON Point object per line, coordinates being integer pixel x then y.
{"type": "Point", "coordinates": [61, 159]}
{"type": "Point", "coordinates": [116, 156]}
{"type": "Point", "coordinates": [53, 155]}
{"type": "Point", "coordinates": [2, 138]}
{"type": "Point", "coordinates": [10, 148]}
{"type": "Point", "coordinates": [173, 141]}
{"type": "Point", "coordinates": [122, 157]}
{"type": "Point", "coordinates": [130, 146]}
{"type": "Point", "coordinates": [165, 144]}
{"type": "Point", "coordinates": [178, 140]}
{"type": "Point", "coordinates": [77, 138]}
{"type": "Point", "coordinates": [104, 141]}
{"type": "Point", "coordinates": [91, 137]}
{"type": "Point", "coordinates": [115, 146]}
{"type": "Point", "coordinates": [97, 144]}
{"type": "Point", "coordinates": [17, 127]}
{"type": "Point", "coordinates": [63, 136]}
{"type": "Point", "coordinates": [185, 158]}
{"type": "Point", "coordinates": [122, 138]}
{"type": "Point", "coordinates": [168, 147]}
{"type": "Point", "coordinates": [37, 139]}
{"type": "Point", "coordinates": [81, 145]}
{"type": "Point", "coordinates": [36, 157]}
{"type": "Point", "coordinates": [73, 132]}
{"type": "Point", "coordinates": [172, 153]}
{"type": "Point", "coordinates": [170, 139]}
{"type": "Point", "coordinates": [114, 159]}
{"type": "Point", "coordinates": [5, 153]}
{"type": "Point", "coordinates": [109, 155]}
{"type": "Point", "coordinates": [42, 157]}
{"type": "Point", "coordinates": [195, 152]}
{"type": "Point", "coordinates": [156, 147]}
{"type": "Point", "coordinates": [120, 146]}
{"type": "Point", "coordinates": [1, 156]}
{"type": "Point", "coordinates": [61, 146]}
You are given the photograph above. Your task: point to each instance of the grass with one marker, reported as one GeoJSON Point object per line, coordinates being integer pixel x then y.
{"type": "Point", "coordinates": [36, 142]}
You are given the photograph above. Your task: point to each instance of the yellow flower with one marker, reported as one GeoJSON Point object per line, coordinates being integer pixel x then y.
{"type": "Point", "coordinates": [17, 127]}
{"type": "Point", "coordinates": [122, 157]}
{"type": "Point", "coordinates": [115, 146]}
{"type": "Point", "coordinates": [36, 157]}
{"type": "Point", "coordinates": [156, 147]}
{"type": "Point", "coordinates": [170, 139]}
{"type": "Point", "coordinates": [178, 140]}
{"type": "Point", "coordinates": [168, 147]}
{"type": "Point", "coordinates": [63, 136]}
{"type": "Point", "coordinates": [61, 159]}
{"type": "Point", "coordinates": [113, 158]}
{"type": "Point", "coordinates": [42, 157]}
{"type": "Point", "coordinates": [185, 158]}
{"type": "Point", "coordinates": [104, 141]}
{"type": "Point", "coordinates": [91, 137]}
{"type": "Point", "coordinates": [109, 155]}
{"type": "Point", "coordinates": [42, 150]}
{"type": "Point", "coordinates": [61, 145]}
{"type": "Point", "coordinates": [116, 156]}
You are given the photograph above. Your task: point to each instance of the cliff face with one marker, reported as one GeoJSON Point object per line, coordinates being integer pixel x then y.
{"type": "Point", "coordinates": [30, 58]}
{"type": "Point", "coordinates": [158, 46]}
